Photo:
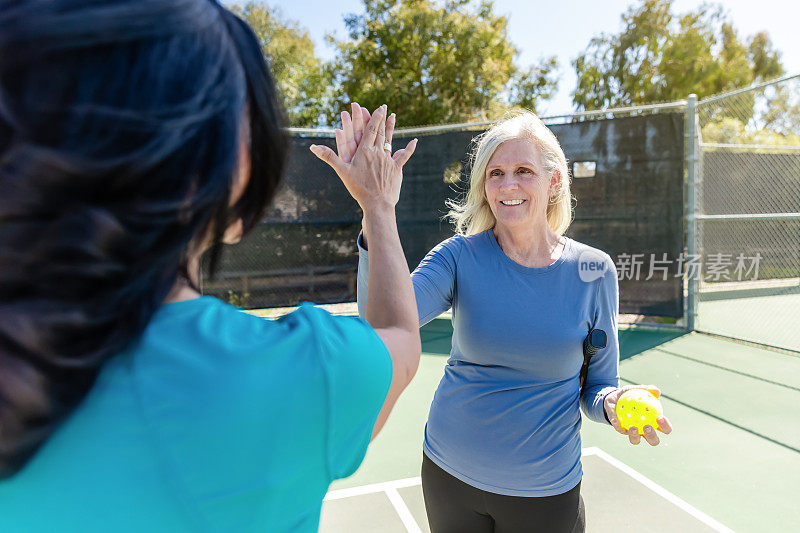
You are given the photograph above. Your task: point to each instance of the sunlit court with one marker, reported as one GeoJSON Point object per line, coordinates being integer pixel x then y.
{"type": "Point", "coordinates": [730, 469]}
{"type": "Point", "coordinates": [713, 322]}
{"type": "Point", "coordinates": [399, 266]}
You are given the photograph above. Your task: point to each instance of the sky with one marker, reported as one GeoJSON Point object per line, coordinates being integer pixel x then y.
{"type": "Point", "coordinates": [563, 28]}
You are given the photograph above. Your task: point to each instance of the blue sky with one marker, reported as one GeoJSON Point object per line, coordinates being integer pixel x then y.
{"type": "Point", "coordinates": [563, 28]}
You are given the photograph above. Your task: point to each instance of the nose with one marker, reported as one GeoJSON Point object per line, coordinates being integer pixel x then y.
{"type": "Point", "coordinates": [509, 183]}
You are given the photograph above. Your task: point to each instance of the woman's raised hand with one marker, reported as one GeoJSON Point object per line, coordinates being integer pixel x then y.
{"type": "Point", "coordinates": [372, 174]}
{"type": "Point", "coordinates": [650, 435]}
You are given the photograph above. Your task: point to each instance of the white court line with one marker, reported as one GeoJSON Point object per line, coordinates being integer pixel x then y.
{"type": "Point", "coordinates": [375, 487]}
{"type": "Point", "coordinates": [658, 489]}
{"type": "Point", "coordinates": [390, 488]}
{"type": "Point", "coordinates": [402, 510]}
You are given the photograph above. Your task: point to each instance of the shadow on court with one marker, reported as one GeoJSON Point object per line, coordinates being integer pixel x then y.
{"type": "Point", "coordinates": [436, 336]}
{"type": "Point", "coordinates": [633, 341]}
{"type": "Point", "coordinates": [732, 459]}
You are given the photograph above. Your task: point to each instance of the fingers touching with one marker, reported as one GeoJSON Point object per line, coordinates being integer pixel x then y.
{"type": "Point", "coordinates": [376, 123]}
{"type": "Point", "coordinates": [341, 146]}
{"type": "Point", "coordinates": [390, 122]}
{"type": "Point", "coordinates": [401, 157]}
{"type": "Point", "coordinates": [347, 126]}
{"type": "Point", "coordinates": [363, 128]}
{"type": "Point", "coordinates": [380, 136]}
{"type": "Point", "coordinates": [355, 123]}
{"type": "Point", "coordinates": [349, 136]}
{"type": "Point", "coordinates": [330, 157]}
{"type": "Point", "coordinates": [358, 122]}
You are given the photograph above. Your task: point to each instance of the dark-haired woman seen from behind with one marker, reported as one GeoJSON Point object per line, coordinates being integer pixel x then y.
{"type": "Point", "coordinates": [134, 137]}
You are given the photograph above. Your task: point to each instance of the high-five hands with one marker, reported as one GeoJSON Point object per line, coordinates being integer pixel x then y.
{"type": "Point", "coordinates": [370, 172]}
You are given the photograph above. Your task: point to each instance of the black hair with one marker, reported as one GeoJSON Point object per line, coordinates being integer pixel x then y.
{"type": "Point", "coordinates": [119, 139]}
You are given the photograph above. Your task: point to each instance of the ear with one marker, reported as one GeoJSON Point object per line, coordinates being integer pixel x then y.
{"type": "Point", "coordinates": [233, 233]}
{"type": "Point", "coordinates": [555, 183]}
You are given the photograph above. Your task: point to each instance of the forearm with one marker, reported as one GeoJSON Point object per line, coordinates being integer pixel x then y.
{"type": "Point", "coordinates": [362, 274]}
{"type": "Point", "coordinates": [390, 293]}
{"type": "Point", "coordinates": [592, 401]}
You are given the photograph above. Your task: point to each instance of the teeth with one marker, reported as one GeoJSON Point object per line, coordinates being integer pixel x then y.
{"type": "Point", "coordinates": [511, 202]}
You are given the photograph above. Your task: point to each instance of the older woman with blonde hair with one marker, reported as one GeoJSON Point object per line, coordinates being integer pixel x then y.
{"type": "Point", "coordinates": [502, 444]}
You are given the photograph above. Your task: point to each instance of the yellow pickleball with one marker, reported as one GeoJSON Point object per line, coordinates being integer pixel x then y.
{"type": "Point", "coordinates": [638, 407]}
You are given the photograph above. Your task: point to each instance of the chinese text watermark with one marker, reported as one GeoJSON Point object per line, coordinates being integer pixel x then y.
{"type": "Point", "coordinates": [714, 267]}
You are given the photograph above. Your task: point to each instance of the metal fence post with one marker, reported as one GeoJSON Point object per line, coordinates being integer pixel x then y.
{"type": "Point", "coordinates": [691, 208]}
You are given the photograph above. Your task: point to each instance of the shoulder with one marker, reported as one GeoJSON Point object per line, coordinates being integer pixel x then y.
{"type": "Point", "coordinates": [584, 253]}
{"type": "Point", "coordinates": [448, 250]}
{"type": "Point", "coordinates": [234, 339]}
{"type": "Point", "coordinates": [452, 243]}
{"type": "Point", "coordinates": [581, 247]}
{"type": "Point", "coordinates": [593, 265]}
{"type": "Point", "coordinates": [458, 242]}
{"type": "Point", "coordinates": [476, 239]}
{"type": "Point", "coordinates": [249, 360]}
{"type": "Point", "coordinates": [333, 331]}
{"type": "Point", "coordinates": [218, 373]}
{"type": "Point", "coordinates": [348, 347]}
{"type": "Point", "coordinates": [358, 372]}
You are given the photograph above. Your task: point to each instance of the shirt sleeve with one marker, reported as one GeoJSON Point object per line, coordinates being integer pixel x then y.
{"type": "Point", "coordinates": [434, 279]}
{"type": "Point", "coordinates": [358, 371]}
{"type": "Point", "coordinates": [603, 375]}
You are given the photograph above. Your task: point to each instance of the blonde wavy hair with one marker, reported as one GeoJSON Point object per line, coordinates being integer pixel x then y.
{"type": "Point", "coordinates": [472, 213]}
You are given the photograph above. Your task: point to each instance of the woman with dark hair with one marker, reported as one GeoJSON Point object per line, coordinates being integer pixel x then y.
{"type": "Point", "coordinates": [134, 137]}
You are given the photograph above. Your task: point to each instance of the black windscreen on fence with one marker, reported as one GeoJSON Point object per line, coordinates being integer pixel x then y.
{"type": "Point", "coordinates": [632, 208]}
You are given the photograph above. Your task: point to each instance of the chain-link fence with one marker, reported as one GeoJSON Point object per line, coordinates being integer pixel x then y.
{"type": "Point", "coordinates": [730, 242]}
{"type": "Point", "coordinates": [628, 186]}
{"type": "Point", "coordinates": [744, 214]}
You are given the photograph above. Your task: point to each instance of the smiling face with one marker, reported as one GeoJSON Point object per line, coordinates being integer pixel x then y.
{"type": "Point", "coordinates": [517, 186]}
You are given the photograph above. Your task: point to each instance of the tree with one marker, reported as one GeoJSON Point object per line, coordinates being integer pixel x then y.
{"type": "Point", "coordinates": [782, 110]}
{"type": "Point", "coordinates": [730, 130]}
{"type": "Point", "coordinates": [435, 62]}
{"type": "Point", "coordinates": [534, 84]}
{"type": "Point", "coordinates": [659, 57]}
{"type": "Point", "coordinates": [303, 80]}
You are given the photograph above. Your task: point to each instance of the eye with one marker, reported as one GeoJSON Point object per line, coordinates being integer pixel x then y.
{"type": "Point", "coordinates": [495, 172]}
{"type": "Point", "coordinates": [524, 170]}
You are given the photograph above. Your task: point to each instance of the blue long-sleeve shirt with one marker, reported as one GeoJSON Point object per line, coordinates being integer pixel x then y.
{"type": "Point", "coordinates": [505, 417]}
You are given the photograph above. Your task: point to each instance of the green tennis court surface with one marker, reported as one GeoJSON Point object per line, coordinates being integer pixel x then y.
{"type": "Point", "coordinates": [731, 463]}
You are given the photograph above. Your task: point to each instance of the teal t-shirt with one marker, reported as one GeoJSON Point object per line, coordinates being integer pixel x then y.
{"type": "Point", "coordinates": [213, 420]}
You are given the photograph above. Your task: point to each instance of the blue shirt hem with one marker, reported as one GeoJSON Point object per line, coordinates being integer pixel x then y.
{"type": "Point", "coordinates": [566, 485]}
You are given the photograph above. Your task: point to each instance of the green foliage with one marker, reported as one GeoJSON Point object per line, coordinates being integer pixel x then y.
{"type": "Point", "coordinates": [728, 130]}
{"type": "Point", "coordinates": [239, 300]}
{"type": "Point", "coordinates": [302, 78]}
{"type": "Point", "coordinates": [435, 62]}
{"type": "Point", "coordinates": [769, 116]}
{"type": "Point", "coordinates": [534, 84]}
{"type": "Point", "coordinates": [659, 57]}
{"type": "Point", "coordinates": [452, 174]}
{"type": "Point", "coordinates": [782, 111]}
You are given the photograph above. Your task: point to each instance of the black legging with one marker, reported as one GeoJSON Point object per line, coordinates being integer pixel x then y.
{"type": "Point", "coordinates": [456, 507]}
